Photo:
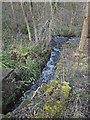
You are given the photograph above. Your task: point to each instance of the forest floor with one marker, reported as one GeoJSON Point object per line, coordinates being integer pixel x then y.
{"type": "Point", "coordinates": [77, 74]}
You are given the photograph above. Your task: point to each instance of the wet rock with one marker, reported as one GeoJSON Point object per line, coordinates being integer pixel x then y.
{"type": "Point", "coordinates": [12, 89]}
{"type": "Point", "coordinates": [57, 41]}
{"type": "Point", "coordinates": [6, 72]}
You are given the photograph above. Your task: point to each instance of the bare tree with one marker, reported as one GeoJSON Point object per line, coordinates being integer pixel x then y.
{"type": "Point", "coordinates": [50, 22]}
{"type": "Point", "coordinates": [26, 22]}
{"type": "Point", "coordinates": [34, 24]}
{"type": "Point", "coordinates": [73, 13]}
{"type": "Point", "coordinates": [53, 9]}
{"type": "Point", "coordinates": [13, 12]}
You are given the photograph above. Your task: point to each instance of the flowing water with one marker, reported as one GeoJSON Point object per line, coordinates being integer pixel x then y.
{"type": "Point", "coordinates": [48, 72]}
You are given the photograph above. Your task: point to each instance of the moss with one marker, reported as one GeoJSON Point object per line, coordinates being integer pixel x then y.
{"type": "Point", "coordinates": [51, 105]}
{"type": "Point", "coordinates": [54, 83]}
{"type": "Point", "coordinates": [65, 90]}
{"type": "Point", "coordinates": [49, 91]}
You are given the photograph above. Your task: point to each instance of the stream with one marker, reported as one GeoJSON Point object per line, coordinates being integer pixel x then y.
{"type": "Point", "coordinates": [49, 70]}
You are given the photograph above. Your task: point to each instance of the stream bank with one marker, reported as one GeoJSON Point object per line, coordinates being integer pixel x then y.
{"type": "Point", "coordinates": [27, 107]}
{"type": "Point", "coordinates": [49, 70]}
{"type": "Point", "coordinates": [47, 73]}
{"type": "Point", "coordinates": [64, 70]}
{"type": "Point", "coordinates": [19, 79]}
{"type": "Point", "coordinates": [14, 82]}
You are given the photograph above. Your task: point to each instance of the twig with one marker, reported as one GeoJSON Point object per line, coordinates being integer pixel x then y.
{"type": "Point", "coordinates": [35, 93]}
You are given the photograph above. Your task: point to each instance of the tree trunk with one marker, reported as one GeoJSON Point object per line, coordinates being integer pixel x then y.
{"type": "Point", "coordinates": [84, 33]}
{"type": "Point", "coordinates": [34, 24]}
{"type": "Point", "coordinates": [27, 24]}
{"type": "Point", "coordinates": [50, 23]}
{"type": "Point", "coordinates": [13, 12]}
{"type": "Point", "coordinates": [52, 19]}
{"type": "Point", "coordinates": [73, 7]}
